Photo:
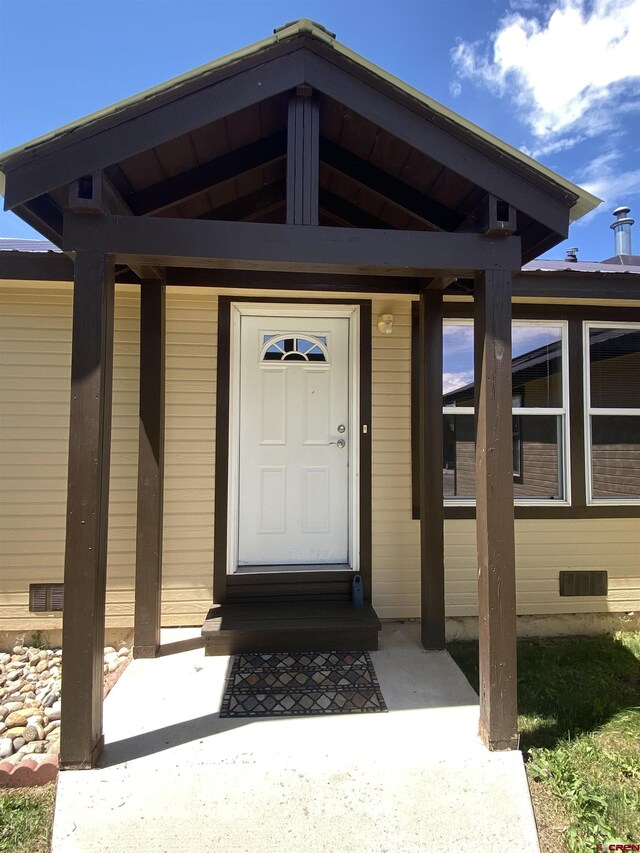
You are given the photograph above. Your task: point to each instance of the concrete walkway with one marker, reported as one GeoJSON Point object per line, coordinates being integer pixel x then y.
{"type": "Point", "coordinates": [175, 777]}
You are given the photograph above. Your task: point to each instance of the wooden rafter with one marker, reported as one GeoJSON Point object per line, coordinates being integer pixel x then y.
{"type": "Point", "coordinates": [194, 182]}
{"type": "Point", "coordinates": [407, 199]}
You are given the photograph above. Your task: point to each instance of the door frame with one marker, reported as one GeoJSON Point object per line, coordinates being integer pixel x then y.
{"type": "Point", "coordinates": [227, 438]}
{"type": "Point", "coordinates": [351, 313]}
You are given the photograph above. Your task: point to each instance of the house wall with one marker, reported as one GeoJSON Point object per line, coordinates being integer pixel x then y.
{"type": "Point", "coordinates": [35, 348]}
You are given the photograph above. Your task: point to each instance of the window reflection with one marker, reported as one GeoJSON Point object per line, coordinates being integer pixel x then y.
{"type": "Point", "coordinates": [538, 436]}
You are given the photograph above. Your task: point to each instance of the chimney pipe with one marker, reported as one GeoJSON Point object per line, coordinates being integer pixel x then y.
{"type": "Point", "coordinates": [572, 255]}
{"type": "Point", "coordinates": [622, 230]}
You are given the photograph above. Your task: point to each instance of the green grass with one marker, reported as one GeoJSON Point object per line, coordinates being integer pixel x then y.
{"type": "Point", "coordinates": [26, 817]}
{"type": "Point", "coordinates": [579, 703]}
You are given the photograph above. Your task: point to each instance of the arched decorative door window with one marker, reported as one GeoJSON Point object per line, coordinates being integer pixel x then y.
{"type": "Point", "coordinates": [290, 347]}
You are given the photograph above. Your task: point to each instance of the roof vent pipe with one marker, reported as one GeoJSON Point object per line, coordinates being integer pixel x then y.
{"type": "Point", "coordinates": [622, 230]}
{"type": "Point", "coordinates": [572, 255]}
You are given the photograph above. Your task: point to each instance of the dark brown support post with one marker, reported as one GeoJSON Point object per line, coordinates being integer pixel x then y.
{"type": "Point", "coordinates": [303, 158]}
{"type": "Point", "coordinates": [85, 568]}
{"type": "Point", "coordinates": [148, 596]}
{"type": "Point", "coordinates": [430, 455]}
{"type": "Point", "coordinates": [494, 510]}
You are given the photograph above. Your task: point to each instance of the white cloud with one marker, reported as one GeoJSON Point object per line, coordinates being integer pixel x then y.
{"type": "Point", "coordinates": [565, 70]}
{"type": "Point", "coordinates": [606, 177]}
{"type": "Point", "coordinates": [453, 381]}
{"type": "Point", "coordinates": [553, 146]}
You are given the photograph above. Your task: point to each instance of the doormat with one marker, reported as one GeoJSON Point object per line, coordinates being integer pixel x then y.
{"type": "Point", "coordinates": [295, 684]}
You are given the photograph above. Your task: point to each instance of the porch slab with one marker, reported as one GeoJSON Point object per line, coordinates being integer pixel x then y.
{"type": "Point", "coordinates": [174, 776]}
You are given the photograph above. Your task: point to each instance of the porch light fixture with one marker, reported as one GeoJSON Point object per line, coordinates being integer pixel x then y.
{"type": "Point", "coordinates": [385, 324]}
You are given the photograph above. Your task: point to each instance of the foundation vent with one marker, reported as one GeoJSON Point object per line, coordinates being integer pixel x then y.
{"type": "Point", "coordinates": [583, 583]}
{"type": "Point", "coordinates": [46, 597]}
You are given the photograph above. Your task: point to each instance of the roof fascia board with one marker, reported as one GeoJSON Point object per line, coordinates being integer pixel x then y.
{"type": "Point", "coordinates": [46, 170]}
{"type": "Point", "coordinates": [588, 286]}
{"type": "Point", "coordinates": [436, 142]}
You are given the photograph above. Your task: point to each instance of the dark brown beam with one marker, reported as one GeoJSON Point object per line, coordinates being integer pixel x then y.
{"type": "Point", "coordinates": [262, 201]}
{"type": "Point", "coordinates": [43, 266]}
{"type": "Point", "coordinates": [430, 438]}
{"type": "Point", "coordinates": [36, 266]}
{"type": "Point", "coordinates": [250, 245]}
{"type": "Point", "coordinates": [439, 283]}
{"type": "Point", "coordinates": [297, 281]}
{"type": "Point", "coordinates": [401, 195]}
{"type": "Point", "coordinates": [221, 489]}
{"type": "Point", "coordinates": [94, 194]}
{"type": "Point", "coordinates": [303, 162]}
{"type": "Point", "coordinates": [567, 284]}
{"type": "Point", "coordinates": [154, 122]}
{"type": "Point", "coordinates": [85, 570]}
{"type": "Point", "coordinates": [346, 213]}
{"type": "Point", "coordinates": [494, 510]}
{"type": "Point", "coordinates": [215, 173]}
{"type": "Point", "coordinates": [44, 215]}
{"type": "Point", "coordinates": [148, 587]}
{"type": "Point", "coordinates": [543, 202]}
{"type": "Point", "coordinates": [490, 216]}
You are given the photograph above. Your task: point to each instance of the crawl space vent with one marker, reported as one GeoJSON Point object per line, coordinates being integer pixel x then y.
{"type": "Point", "coordinates": [583, 583]}
{"type": "Point", "coordinates": [46, 597]}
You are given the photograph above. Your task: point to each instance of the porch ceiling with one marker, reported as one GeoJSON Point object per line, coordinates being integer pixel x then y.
{"type": "Point", "coordinates": [233, 167]}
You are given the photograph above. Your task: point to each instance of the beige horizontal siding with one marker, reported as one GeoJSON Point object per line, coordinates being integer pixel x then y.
{"type": "Point", "coordinates": [35, 346]}
{"type": "Point", "coordinates": [192, 339]}
{"type": "Point", "coordinates": [35, 370]}
{"type": "Point", "coordinates": [395, 544]}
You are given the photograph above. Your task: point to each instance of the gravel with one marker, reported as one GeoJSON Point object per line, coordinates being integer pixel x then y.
{"type": "Point", "coordinates": [30, 699]}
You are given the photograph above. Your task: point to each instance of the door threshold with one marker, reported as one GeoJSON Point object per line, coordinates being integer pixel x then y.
{"type": "Point", "coordinates": [297, 567]}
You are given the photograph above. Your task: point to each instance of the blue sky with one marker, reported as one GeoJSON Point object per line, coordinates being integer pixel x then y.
{"type": "Point", "coordinates": [560, 80]}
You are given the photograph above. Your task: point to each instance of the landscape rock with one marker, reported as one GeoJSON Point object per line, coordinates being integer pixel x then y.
{"type": "Point", "coordinates": [30, 711]}
{"type": "Point", "coordinates": [33, 732]}
{"type": "Point", "coordinates": [18, 718]}
{"type": "Point", "coordinates": [55, 711]}
{"type": "Point", "coordinates": [34, 746]}
{"type": "Point", "coordinates": [16, 731]}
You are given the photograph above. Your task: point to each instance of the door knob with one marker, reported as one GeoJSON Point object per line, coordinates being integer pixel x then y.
{"type": "Point", "coordinates": [341, 428]}
{"type": "Point", "coordinates": [340, 443]}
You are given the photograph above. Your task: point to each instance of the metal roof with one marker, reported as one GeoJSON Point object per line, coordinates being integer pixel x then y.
{"type": "Point", "coordinates": [585, 200]}
{"type": "Point", "coordinates": [612, 267]}
{"type": "Point", "coordinates": [20, 244]}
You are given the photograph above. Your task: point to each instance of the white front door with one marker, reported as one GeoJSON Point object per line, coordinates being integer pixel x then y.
{"type": "Point", "coordinates": [294, 435]}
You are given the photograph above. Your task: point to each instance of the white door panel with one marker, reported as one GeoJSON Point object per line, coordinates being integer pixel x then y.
{"type": "Point", "coordinates": [293, 476]}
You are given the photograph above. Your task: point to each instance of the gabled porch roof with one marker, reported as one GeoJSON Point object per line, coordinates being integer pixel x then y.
{"type": "Point", "coordinates": [211, 144]}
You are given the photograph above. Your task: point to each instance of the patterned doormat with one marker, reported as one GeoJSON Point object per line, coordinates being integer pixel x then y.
{"type": "Point", "coordinates": [283, 684]}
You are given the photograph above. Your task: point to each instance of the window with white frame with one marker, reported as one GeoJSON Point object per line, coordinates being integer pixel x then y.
{"type": "Point", "coordinates": [539, 409]}
{"type": "Point", "coordinates": [612, 390]}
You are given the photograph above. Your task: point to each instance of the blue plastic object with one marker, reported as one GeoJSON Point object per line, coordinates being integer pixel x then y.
{"type": "Point", "coordinates": [357, 594]}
